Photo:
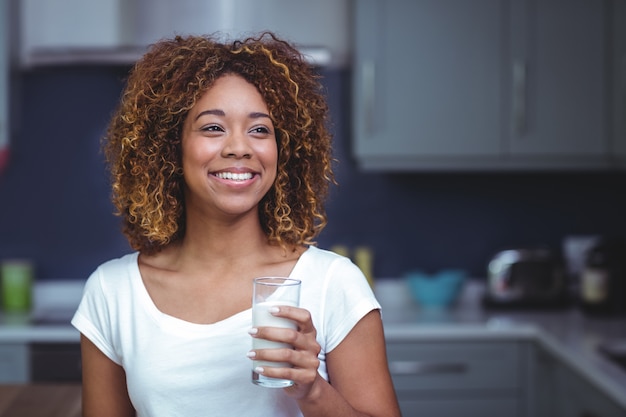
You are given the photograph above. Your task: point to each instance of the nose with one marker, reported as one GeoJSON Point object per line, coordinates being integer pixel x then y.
{"type": "Point", "coordinates": [237, 145]}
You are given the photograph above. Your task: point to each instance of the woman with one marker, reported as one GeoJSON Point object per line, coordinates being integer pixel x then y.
{"type": "Point", "coordinates": [220, 159]}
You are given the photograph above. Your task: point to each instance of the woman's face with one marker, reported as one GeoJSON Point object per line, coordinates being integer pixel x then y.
{"type": "Point", "coordinates": [229, 149]}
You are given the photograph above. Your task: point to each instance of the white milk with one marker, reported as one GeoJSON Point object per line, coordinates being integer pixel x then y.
{"type": "Point", "coordinates": [261, 317]}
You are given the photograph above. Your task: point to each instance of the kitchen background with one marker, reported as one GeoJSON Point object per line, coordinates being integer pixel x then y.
{"type": "Point", "coordinates": [498, 124]}
{"type": "Point", "coordinates": [55, 210]}
{"type": "Point", "coordinates": [55, 205]}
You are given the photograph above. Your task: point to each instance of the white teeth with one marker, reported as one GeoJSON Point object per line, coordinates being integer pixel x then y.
{"type": "Point", "coordinates": [234, 176]}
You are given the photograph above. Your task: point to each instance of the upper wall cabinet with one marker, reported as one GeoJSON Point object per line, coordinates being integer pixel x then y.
{"type": "Point", "coordinates": [4, 85]}
{"type": "Point", "coordinates": [118, 31]}
{"type": "Point", "coordinates": [618, 69]}
{"type": "Point", "coordinates": [480, 85]}
{"type": "Point", "coordinates": [69, 31]}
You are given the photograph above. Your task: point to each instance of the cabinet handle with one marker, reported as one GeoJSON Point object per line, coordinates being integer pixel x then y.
{"type": "Point", "coordinates": [368, 71]}
{"type": "Point", "coordinates": [422, 368]}
{"type": "Point", "coordinates": [519, 97]}
{"type": "Point", "coordinates": [623, 90]}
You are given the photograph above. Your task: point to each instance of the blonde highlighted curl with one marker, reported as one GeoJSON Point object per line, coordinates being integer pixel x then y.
{"type": "Point", "coordinates": [143, 142]}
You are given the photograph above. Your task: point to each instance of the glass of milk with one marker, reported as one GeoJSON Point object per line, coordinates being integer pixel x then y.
{"type": "Point", "coordinates": [270, 292]}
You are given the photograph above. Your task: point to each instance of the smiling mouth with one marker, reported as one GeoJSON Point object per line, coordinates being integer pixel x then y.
{"type": "Point", "coordinates": [234, 176]}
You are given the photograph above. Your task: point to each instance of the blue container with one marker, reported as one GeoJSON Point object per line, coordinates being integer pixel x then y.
{"type": "Point", "coordinates": [436, 291]}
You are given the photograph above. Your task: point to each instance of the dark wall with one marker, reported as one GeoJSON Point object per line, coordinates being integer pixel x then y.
{"type": "Point", "coordinates": [54, 197]}
{"type": "Point", "coordinates": [55, 200]}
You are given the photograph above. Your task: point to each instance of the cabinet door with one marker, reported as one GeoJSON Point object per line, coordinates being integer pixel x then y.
{"type": "Point", "coordinates": [542, 383]}
{"type": "Point", "coordinates": [467, 407]}
{"type": "Point", "coordinates": [559, 85]}
{"type": "Point", "coordinates": [55, 362]}
{"type": "Point", "coordinates": [455, 366]}
{"type": "Point", "coordinates": [427, 80]}
{"type": "Point", "coordinates": [14, 368]}
{"type": "Point", "coordinates": [4, 83]}
{"type": "Point", "coordinates": [49, 27]}
{"type": "Point", "coordinates": [558, 391]}
{"type": "Point", "coordinates": [618, 54]}
{"type": "Point", "coordinates": [72, 23]}
{"type": "Point", "coordinates": [576, 397]}
{"type": "Point", "coordinates": [457, 378]}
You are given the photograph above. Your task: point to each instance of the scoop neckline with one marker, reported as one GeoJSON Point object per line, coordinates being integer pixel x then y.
{"type": "Point", "coordinates": [166, 320]}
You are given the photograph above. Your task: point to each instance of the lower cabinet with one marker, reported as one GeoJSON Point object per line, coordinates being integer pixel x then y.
{"type": "Point", "coordinates": [14, 363]}
{"type": "Point", "coordinates": [491, 378]}
{"type": "Point", "coordinates": [560, 391]}
{"type": "Point", "coordinates": [578, 397]}
{"type": "Point", "coordinates": [39, 362]}
{"type": "Point", "coordinates": [464, 379]}
{"type": "Point", "coordinates": [55, 362]}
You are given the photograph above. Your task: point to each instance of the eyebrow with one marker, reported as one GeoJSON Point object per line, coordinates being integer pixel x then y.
{"type": "Point", "coordinates": [217, 112]}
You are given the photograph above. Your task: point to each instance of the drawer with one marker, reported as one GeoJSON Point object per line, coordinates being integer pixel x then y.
{"type": "Point", "coordinates": [474, 407]}
{"type": "Point", "coordinates": [55, 362]}
{"type": "Point", "coordinates": [14, 363]}
{"type": "Point", "coordinates": [455, 365]}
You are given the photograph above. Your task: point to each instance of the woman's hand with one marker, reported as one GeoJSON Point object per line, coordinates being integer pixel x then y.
{"type": "Point", "coordinates": [303, 356]}
{"type": "Point", "coordinates": [358, 368]}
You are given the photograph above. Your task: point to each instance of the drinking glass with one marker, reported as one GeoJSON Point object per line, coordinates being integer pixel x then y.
{"type": "Point", "coordinates": [16, 280]}
{"type": "Point", "coordinates": [271, 292]}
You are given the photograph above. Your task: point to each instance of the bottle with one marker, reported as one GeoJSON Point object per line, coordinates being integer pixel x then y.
{"type": "Point", "coordinates": [364, 259]}
{"type": "Point", "coordinates": [603, 279]}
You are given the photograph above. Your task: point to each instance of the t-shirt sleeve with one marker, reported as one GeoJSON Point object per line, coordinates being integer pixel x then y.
{"type": "Point", "coordinates": [348, 298]}
{"type": "Point", "coordinates": [94, 317]}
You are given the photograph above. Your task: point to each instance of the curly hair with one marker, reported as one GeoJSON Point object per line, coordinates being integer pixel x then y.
{"type": "Point", "coordinates": [142, 145]}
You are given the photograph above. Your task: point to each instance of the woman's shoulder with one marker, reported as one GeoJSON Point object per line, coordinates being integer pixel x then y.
{"type": "Point", "coordinates": [316, 254]}
{"type": "Point", "coordinates": [123, 263]}
{"type": "Point", "coordinates": [323, 262]}
{"type": "Point", "coordinates": [114, 271]}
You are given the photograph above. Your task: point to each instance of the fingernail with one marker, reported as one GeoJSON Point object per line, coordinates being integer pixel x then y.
{"type": "Point", "coordinates": [253, 331]}
{"type": "Point", "coordinates": [273, 310]}
{"type": "Point", "coordinates": [251, 354]}
{"type": "Point", "coordinates": [259, 370]}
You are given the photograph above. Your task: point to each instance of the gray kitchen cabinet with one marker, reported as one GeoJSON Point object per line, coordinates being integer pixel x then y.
{"type": "Point", "coordinates": [427, 82]}
{"type": "Point", "coordinates": [40, 362]}
{"type": "Point", "coordinates": [542, 380]}
{"type": "Point", "coordinates": [563, 46]}
{"type": "Point", "coordinates": [4, 78]}
{"type": "Point", "coordinates": [557, 390]}
{"type": "Point", "coordinates": [55, 362]}
{"type": "Point", "coordinates": [71, 30]}
{"type": "Point", "coordinates": [578, 397]}
{"type": "Point", "coordinates": [618, 34]}
{"type": "Point", "coordinates": [458, 378]}
{"type": "Point", "coordinates": [57, 32]}
{"type": "Point", "coordinates": [486, 84]}
{"type": "Point", "coordinates": [14, 363]}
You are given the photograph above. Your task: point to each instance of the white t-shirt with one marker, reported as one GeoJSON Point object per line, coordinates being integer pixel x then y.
{"type": "Point", "coordinates": [177, 368]}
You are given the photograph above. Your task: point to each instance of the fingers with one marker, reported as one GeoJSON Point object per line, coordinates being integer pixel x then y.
{"type": "Point", "coordinates": [301, 316]}
{"type": "Point", "coordinates": [303, 338]}
{"type": "Point", "coordinates": [299, 359]}
{"type": "Point", "coordinates": [302, 377]}
{"type": "Point", "coordinates": [275, 363]}
{"type": "Point", "coordinates": [302, 359]}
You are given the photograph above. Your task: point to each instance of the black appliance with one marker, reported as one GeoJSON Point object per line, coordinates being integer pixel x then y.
{"type": "Point", "coordinates": [532, 277]}
{"type": "Point", "coordinates": [603, 279]}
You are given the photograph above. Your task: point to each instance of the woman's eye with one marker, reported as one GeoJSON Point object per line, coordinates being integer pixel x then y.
{"type": "Point", "coordinates": [261, 130]}
{"type": "Point", "coordinates": [211, 128]}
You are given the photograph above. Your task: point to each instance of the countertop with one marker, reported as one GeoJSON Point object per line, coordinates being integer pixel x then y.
{"type": "Point", "coordinates": [40, 400]}
{"type": "Point", "coordinates": [54, 305]}
{"type": "Point", "coordinates": [567, 333]}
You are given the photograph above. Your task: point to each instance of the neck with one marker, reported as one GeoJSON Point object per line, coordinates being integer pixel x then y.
{"type": "Point", "coordinates": [224, 236]}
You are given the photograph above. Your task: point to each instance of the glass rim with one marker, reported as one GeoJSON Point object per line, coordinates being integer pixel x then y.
{"type": "Point", "coordinates": [277, 281]}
